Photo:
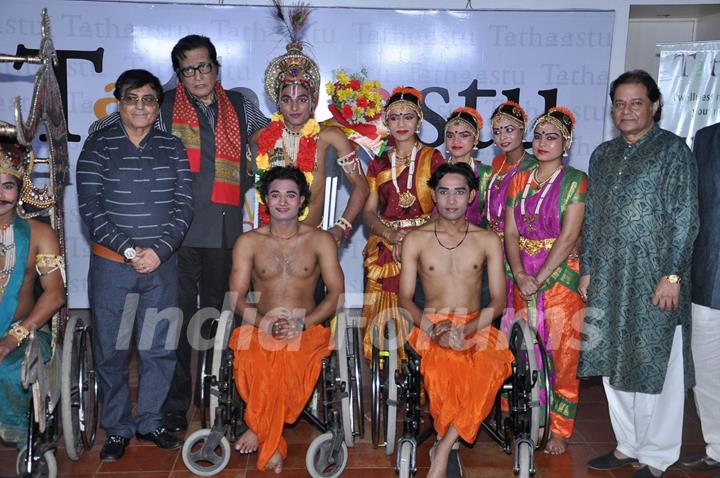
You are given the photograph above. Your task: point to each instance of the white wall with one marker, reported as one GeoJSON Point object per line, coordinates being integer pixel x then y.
{"type": "Point", "coordinates": [708, 27]}
{"type": "Point", "coordinates": [645, 34]}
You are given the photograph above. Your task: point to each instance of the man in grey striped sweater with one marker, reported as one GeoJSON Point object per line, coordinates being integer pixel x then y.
{"type": "Point", "coordinates": [210, 121]}
{"type": "Point", "coordinates": [135, 196]}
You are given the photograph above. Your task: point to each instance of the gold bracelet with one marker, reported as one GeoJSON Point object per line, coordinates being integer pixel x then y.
{"type": "Point", "coordinates": [19, 333]}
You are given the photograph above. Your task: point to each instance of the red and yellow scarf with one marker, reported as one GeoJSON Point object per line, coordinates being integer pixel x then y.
{"type": "Point", "coordinates": [228, 144]}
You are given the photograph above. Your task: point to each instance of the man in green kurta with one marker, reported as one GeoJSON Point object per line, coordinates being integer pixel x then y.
{"type": "Point", "coordinates": [641, 220]}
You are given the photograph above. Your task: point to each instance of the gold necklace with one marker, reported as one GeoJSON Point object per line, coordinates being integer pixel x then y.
{"type": "Point", "coordinates": [542, 183]}
{"type": "Point", "coordinates": [284, 238]}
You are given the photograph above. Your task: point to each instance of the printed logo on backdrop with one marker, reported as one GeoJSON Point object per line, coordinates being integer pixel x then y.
{"type": "Point", "coordinates": [457, 58]}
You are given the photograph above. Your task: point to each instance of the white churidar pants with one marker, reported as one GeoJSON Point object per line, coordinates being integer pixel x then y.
{"type": "Point", "coordinates": [706, 355]}
{"type": "Point", "coordinates": [649, 426]}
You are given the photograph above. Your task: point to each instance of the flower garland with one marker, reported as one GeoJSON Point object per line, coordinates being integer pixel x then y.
{"type": "Point", "coordinates": [270, 144]}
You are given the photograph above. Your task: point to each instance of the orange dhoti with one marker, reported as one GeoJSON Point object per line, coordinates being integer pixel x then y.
{"type": "Point", "coordinates": [275, 379]}
{"type": "Point", "coordinates": [462, 384]}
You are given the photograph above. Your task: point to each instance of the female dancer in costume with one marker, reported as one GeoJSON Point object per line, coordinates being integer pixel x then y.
{"type": "Point", "coordinates": [508, 129]}
{"type": "Point", "coordinates": [462, 134]}
{"type": "Point", "coordinates": [400, 200]}
{"type": "Point", "coordinates": [545, 209]}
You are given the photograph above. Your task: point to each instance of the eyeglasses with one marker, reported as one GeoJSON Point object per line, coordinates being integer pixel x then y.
{"type": "Point", "coordinates": [635, 105]}
{"type": "Point", "coordinates": [147, 100]}
{"type": "Point", "coordinates": [203, 68]}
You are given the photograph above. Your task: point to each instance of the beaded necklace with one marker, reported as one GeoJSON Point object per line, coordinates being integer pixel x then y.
{"type": "Point", "coordinates": [543, 189]}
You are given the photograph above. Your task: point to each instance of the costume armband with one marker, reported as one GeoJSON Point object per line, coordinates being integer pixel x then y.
{"type": "Point", "coordinates": [53, 262]}
{"type": "Point", "coordinates": [349, 162]}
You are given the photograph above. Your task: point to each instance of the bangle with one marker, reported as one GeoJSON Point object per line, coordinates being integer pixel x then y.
{"type": "Point", "coordinates": [345, 225]}
{"type": "Point", "coordinates": [430, 330]}
{"type": "Point", "coordinates": [19, 333]}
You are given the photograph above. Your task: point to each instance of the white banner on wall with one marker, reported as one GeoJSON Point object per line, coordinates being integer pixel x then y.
{"type": "Point", "coordinates": [689, 80]}
{"type": "Point", "coordinates": [458, 58]}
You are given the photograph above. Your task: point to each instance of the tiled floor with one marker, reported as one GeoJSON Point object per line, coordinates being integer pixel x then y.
{"type": "Point", "coordinates": [593, 436]}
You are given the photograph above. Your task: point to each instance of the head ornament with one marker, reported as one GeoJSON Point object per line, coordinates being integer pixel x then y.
{"type": "Point", "coordinates": [562, 118]}
{"type": "Point", "coordinates": [405, 95]}
{"type": "Point", "coordinates": [293, 67]}
{"type": "Point", "coordinates": [512, 111]}
{"type": "Point", "coordinates": [468, 116]}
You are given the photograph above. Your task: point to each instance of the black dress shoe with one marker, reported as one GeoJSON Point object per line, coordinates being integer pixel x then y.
{"type": "Point", "coordinates": [700, 462]}
{"type": "Point", "coordinates": [176, 422]}
{"type": "Point", "coordinates": [162, 438]}
{"type": "Point", "coordinates": [645, 472]}
{"type": "Point", "coordinates": [114, 448]}
{"type": "Point", "coordinates": [609, 462]}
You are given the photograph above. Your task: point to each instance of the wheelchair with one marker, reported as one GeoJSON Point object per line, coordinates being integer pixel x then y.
{"type": "Point", "coordinates": [64, 386]}
{"type": "Point", "coordinates": [334, 408]}
{"type": "Point", "coordinates": [522, 426]}
{"type": "Point", "coordinates": [64, 396]}
{"type": "Point", "coordinates": [517, 422]}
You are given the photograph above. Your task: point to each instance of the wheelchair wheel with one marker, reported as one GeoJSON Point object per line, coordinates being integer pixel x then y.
{"type": "Point", "coordinates": [205, 358]}
{"type": "Point", "coordinates": [222, 337]}
{"type": "Point", "coordinates": [201, 457]}
{"type": "Point", "coordinates": [405, 468]}
{"type": "Point", "coordinates": [530, 378]}
{"type": "Point", "coordinates": [384, 389]}
{"type": "Point", "coordinates": [524, 453]}
{"type": "Point", "coordinates": [391, 390]}
{"type": "Point", "coordinates": [341, 348]}
{"type": "Point", "coordinates": [356, 395]}
{"type": "Point", "coordinates": [541, 355]}
{"type": "Point", "coordinates": [78, 389]}
{"type": "Point", "coordinates": [375, 388]}
{"type": "Point", "coordinates": [44, 466]}
{"type": "Point", "coordinates": [322, 461]}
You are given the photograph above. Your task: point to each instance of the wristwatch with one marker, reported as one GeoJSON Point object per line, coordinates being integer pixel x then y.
{"type": "Point", "coordinates": [19, 332]}
{"type": "Point", "coordinates": [674, 279]}
{"type": "Point", "coordinates": [129, 254]}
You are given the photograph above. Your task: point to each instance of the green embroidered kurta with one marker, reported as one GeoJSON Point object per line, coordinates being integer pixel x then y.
{"type": "Point", "coordinates": [641, 220]}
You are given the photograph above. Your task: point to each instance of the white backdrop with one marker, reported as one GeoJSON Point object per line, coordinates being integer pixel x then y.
{"type": "Point", "coordinates": [689, 79]}
{"type": "Point", "coordinates": [457, 57]}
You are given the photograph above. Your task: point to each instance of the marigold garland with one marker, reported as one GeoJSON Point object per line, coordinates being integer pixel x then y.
{"type": "Point", "coordinates": [271, 139]}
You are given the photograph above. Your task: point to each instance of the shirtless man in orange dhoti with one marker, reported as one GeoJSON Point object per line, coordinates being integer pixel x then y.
{"type": "Point", "coordinates": [281, 344]}
{"type": "Point", "coordinates": [464, 360]}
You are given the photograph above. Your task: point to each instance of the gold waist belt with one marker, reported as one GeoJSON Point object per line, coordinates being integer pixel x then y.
{"type": "Point", "coordinates": [533, 246]}
{"type": "Point", "coordinates": [403, 223]}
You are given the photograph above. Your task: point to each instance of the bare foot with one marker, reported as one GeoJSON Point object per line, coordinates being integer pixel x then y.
{"type": "Point", "coordinates": [439, 454]}
{"type": "Point", "coordinates": [275, 463]}
{"type": "Point", "coordinates": [556, 445]}
{"type": "Point", "coordinates": [247, 443]}
{"type": "Point", "coordinates": [432, 451]}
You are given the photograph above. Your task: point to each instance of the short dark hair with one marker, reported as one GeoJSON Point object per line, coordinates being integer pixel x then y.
{"type": "Point", "coordinates": [191, 42]}
{"type": "Point", "coordinates": [642, 77]}
{"type": "Point", "coordinates": [133, 79]}
{"type": "Point", "coordinates": [285, 172]}
{"type": "Point", "coordinates": [462, 169]}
